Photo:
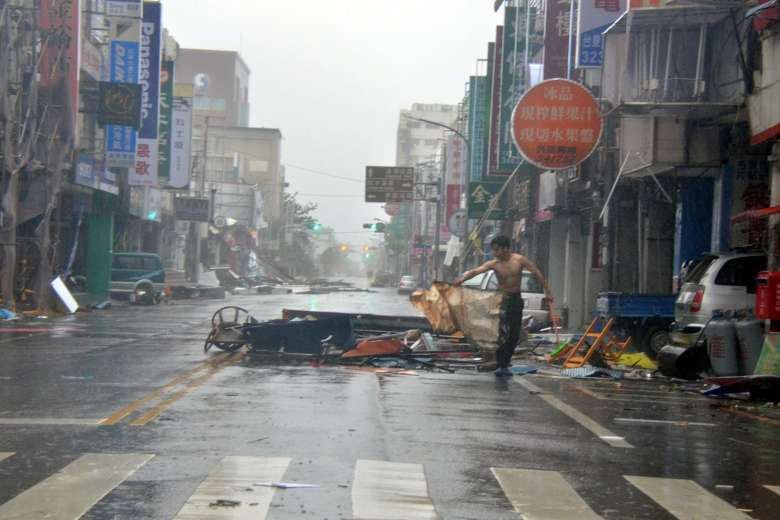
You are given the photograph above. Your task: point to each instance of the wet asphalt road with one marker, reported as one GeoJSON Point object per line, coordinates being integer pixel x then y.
{"type": "Point", "coordinates": [134, 385]}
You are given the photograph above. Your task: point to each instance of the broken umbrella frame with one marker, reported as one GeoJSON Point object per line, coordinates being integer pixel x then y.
{"type": "Point", "coordinates": [228, 333]}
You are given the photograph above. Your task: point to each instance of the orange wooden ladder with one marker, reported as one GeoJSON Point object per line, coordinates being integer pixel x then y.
{"type": "Point", "coordinates": [575, 359]}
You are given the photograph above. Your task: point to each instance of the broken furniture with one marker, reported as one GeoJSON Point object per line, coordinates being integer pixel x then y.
{"type": "Point", "coordinates": [598, 339]}
{"type": "Point", "coordinates": [233, 327]}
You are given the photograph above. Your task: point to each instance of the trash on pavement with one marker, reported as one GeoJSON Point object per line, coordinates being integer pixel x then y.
{"type": "Point", "coordinates": [524, 369]}
{"type": "Point", "coordinates": [286, 485]}
{"type": "Point", "coordinates": [224, 502]}
{"type": "Point", "coordinates": [374, 348]}
{"type": "Point", "coordinates": [102, 306]}
{"type": "Point", "coordinates": [7, 315]}
{"type": "Point", "coordinates": [683, 362]}
{"type": "Point", "coordinates": [64, 294]}
{"type": "Point", "coordinates": [584, 372]}
{"type": "Point", "coordinates": [636, 360]}
{"type": "Point", "coordinates": [757, 388]}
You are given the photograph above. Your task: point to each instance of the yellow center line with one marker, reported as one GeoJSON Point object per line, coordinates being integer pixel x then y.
{"type": "Point", "coordinates": [195, 383]}
{"type": "Point", "coordinates": [122, 413]}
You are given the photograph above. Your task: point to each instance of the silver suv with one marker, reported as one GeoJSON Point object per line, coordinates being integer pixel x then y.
{"type": "Point", "coordinates": [718, 281]}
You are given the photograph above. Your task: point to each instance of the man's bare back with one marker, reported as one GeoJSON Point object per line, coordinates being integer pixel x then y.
{"type": "Point", "coordinates": [509, 273]}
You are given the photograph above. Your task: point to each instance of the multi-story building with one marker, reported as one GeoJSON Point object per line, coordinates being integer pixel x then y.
{"type": "Point", "coordinates": [419, 144]}
{"type": "Point", "coordinates": [221, 81]}
{"type": "Point", "coordinates": [243, 167]}
{"type": "Point", "coordinates": [417, 141]}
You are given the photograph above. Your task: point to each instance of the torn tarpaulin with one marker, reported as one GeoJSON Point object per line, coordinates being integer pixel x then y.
{"type": "Point", "coordinates": [450, 309]}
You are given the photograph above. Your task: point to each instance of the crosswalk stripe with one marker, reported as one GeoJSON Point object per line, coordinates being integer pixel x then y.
{"type": "Point", "coordinates": [685, 499]}
{"type": "Point", "coordinates": [233, 479]}
{"type": "Point", "coordinates": [5, 454]}
{"type": "Point", "coordinates": [70, 493]}
{"type": "Point", "coordinates": [391, 491]}
{"type": "Point", "coordinates": [542, 495]}
{"type": "Point", "coordinates": [773, 489]}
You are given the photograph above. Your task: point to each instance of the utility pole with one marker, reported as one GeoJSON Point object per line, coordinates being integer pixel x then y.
{"type": "Point", "coordinates": [437, 231]}
{"type": "Point", "coordinates": [194, 233]}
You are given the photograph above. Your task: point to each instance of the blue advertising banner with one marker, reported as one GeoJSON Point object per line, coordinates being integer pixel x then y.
{"type": "Point", "coordinates": [145, 170]}
{"type": "Point", "coordinates": [123, 68]}
{"type": "Point", "coordinates": [150, 70]}
{"type": "Point", "coordinates": [595, 16]}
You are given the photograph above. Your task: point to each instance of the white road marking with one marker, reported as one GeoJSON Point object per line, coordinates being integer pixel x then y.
{"type": "Point", "coordinates": [70, 493]}
{"type": "Point", "coordinates": [601, 432]}
{"type": "Point", "coordinates": [233, 479]}
{"type": "Point", "coordinates": [5, 454]}
{"type": "Point", "coordinates": [685, 499]}
{"type": "Point", "coordinates": [34, 421]}
{"type": "Point", "coordinates": [658, 421]}
{"type": "Point", "coordinates": [391, 491]}
{"type": "Point", "coordinates": [542, 495]}
{"type": "Point", "coordinates": [774, 489]}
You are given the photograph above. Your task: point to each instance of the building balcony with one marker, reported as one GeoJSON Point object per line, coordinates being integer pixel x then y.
{"type": "Point", "coordinates": [676, 61]}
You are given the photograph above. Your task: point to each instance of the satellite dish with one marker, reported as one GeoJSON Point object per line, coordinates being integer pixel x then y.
{"type": "Point", "coordinates": [220, 221]}
{"type": "Point", "coordinates": [201, 82]}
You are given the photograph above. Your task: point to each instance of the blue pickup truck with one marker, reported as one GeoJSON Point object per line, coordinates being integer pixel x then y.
{"type": "Point", "coordinates": [644, 317]}
{"type": "Point", "coordinates": [138, 276]}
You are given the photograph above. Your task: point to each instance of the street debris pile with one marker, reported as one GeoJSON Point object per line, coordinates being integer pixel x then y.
{"type": "Point", "coordinates": [458, 334]}
{"type": "Point", "coordinates": [384, 343]}
{"type": "Point", "coordinates": [270, 279]}
{"type": "Point", "coordinates": [600, 352]}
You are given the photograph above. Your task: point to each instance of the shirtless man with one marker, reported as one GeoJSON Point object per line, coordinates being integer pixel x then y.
{"type": "Point", "coordinates": [509, 271]}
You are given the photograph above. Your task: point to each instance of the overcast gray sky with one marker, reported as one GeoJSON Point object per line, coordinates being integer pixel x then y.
{"type": "Point", "coordinates": [332, 76]}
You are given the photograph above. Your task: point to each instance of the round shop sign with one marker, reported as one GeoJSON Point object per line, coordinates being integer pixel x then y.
{"type": "Point", "coordinates": [557, 124]}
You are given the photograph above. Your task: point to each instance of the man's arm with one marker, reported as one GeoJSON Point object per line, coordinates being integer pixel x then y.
{"type": "Point", "coordinates": [539, 276]}
{"type": "Point", "coordinates": [487, 266]}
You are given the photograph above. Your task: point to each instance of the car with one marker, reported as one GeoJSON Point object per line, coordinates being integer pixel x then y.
{"type": "Point", "coordinates": [407, 284]}
{"type": "Point", "coordinates": [716, 282]}
{"type": "Point", "coordinates": [383, 279]}
{"type": "Point", "coordinates": [536, 309]}
{"type": "Point", "coordinates": [137, 276]}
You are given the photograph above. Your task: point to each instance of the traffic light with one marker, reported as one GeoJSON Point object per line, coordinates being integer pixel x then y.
{"type": "Point", "coordinates": [376, 227]}
{"type": "Point", "coordinates": [314, 226]}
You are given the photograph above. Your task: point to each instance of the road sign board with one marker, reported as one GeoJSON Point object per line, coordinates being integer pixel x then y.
{"type": "Point", "coordinates": [191, 208]}
{"type": "Point", "coordinates": [481, 195]}
{"type": "Point", "coordinates": [556, 124]}
{"type": "Point", "coordinates": [389, 184]}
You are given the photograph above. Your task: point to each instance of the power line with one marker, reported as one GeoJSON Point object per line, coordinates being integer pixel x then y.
{"type": "Point", "coordinates": [333, 195]}
{"type": "Point", "coordinates": [326, 174]}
